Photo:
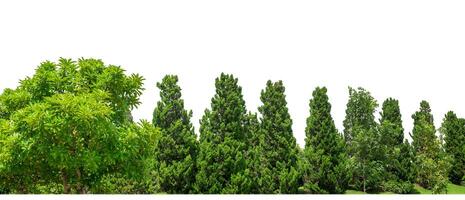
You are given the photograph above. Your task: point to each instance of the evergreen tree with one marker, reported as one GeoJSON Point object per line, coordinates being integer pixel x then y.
{"type": "Point", "coordinates": [222, 166]}
{"type": "Point", "coordinates": [453, 129]}
{"type": "Point", "coordinates": [324, 148]}
{"type": "Point", "coordinates": [398, 155]}
{"type": "Point", "coordinates": [281, 148]}
{"type": "Point", "coordinates": [431, 163]}
{"type": "Point", "coordinates": [177, 147]}
{"type": "Point", "coordinates": [391, 117]}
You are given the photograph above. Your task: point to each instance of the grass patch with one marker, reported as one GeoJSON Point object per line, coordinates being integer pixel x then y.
{"type": "Point", "coordinates": [451, 189]}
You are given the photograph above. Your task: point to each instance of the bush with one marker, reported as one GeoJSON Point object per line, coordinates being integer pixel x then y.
{"type": "Point", "coordinates": [399, 187]}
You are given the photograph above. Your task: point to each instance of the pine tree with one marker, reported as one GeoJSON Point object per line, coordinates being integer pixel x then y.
{"type": "Point", "coordinates": [281, 148]}
{"type": "Point", "coordinates": [222, 166]}
{"type": "Point", "coordinates": [424, 132]}
{"type": "Point", "coordinates": [453, 129]}
{"type": "Point", "coordinates": [430, 161]}
{"type": "Point", "coordinates": [324, 148]}
{"type": "Point", "coordinates": [392, 118]}
{"type": "Point", "coordinates": [177, 147]}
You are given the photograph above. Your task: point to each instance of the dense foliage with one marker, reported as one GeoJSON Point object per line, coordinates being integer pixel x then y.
{"type": "Point", "coordinates": [68, 129]}
{"type": "Point", "coordinates": [325, 169]}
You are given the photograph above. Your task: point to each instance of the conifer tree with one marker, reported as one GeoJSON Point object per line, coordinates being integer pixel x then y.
{"type": "Point", "coordinates": [325, 146]}
{"type": "Point", "coordinates": [431, 162]}
{"type": "Point", "coordinates": [453, 129]}
{"type": "Point", "coordinates": [391, 116]}
{"type": "Point", "coordinates": [398, 156]}
{"type": "Point", "coordinates": [222, 166]}
{"type": "Point", "coordinates": [177, 147]}
{"type": "Point", "coordinates": [281, 149]}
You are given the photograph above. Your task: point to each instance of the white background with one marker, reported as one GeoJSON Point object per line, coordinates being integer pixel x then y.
{"type": "Point", "coordinates": [409, 50]}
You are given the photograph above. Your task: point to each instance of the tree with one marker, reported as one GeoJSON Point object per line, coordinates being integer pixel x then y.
{"type": "Point", "coordinates": [177, 147]}
{"type": "Point", "coordinates": [324, 148]}
{"type": "Point", "coordinates": [223, 137]}
{"type": "Point", "coordinates": [392, 118]}
{"type": "Point", "coordinates": [281, 149]}
{"type": "Point", "coordinates": [453, 129]}
{"type": "Point", "coordinates": [359, 113]}
{"type": "Point", "coordinates": [431, 163]}
{"type": "Point", "coordinates": [65, 128]}
{"type": "Point", "coordinates": [398, 159]}
{"type": "Point", "coordinates": [257, 160]}
{"type": "Point", "coordinates": [363, 138]}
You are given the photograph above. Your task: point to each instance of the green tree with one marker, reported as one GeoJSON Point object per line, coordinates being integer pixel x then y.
{"type": "Point", "coordinates": [222, 166]}
{"type": "Point", "coordinates": [281, 148]}
{"type": "Point", "coordinates": [324, 149]}
{"type": "Point", "coordinates": [363, 138]}
{"type": "Point", "coordinates": [398, 159]}
{"type": "Point", "coordinates": [177, 147]}
{"type": "Point", "coordinates": [453, 129]}
{"type": "Point", "coordinates": [64, 128]}
{"type": "Point", "coordinates": [431, 163]}
{"type": "Point", "coordinates": [359, 113]}
{"type": "Point", "coordinates": [257, 161]}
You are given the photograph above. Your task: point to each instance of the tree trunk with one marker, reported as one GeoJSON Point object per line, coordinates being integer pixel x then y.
{"type": "Point", "coordinates": [66, 186]}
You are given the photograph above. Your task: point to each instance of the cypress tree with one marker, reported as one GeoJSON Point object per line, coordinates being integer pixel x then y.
{"type": "Point", "coordinates": [453, 129]}
{"type": "Point", "coordinates": [177, 147]}
{"type": "Point", "coordinates": [223, 142]}
{"type": "Point", "coordinates": [281, 148]}
{"type": "Point", "coordinates": [325, 146]}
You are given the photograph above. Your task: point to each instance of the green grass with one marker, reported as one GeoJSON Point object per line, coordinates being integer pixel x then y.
{"type": "Point", "coordinates": [354, 192]}
{"type": "Point", "coordinates": [451, 189]}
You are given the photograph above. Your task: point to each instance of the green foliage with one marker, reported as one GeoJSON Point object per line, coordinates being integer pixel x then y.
{"type": "Point", "coordinates": [281, 148]}
{"type": "Point", "coordinates": [68, 129]}
{"type": "Point", "coordinates": [453, 129]}
{"type": "Point", "coordinates": [177, 147]}
{"type": "Point", "coordinates": [359, 113]}
{"type": "Point", "coordinates": [84, 76]}
{"type": "Point", "coordinates": [431, 162]}
{"type": "Point", "coordinates": [368, 159]}
{"type": "Point", "coordinates": [399, 187]}
{"type": "Point", "coordinates": [221, 160]}
{"type": "Point", "coordinates": [324, 149]}
{"type": "Point", "coordinates": [391, 119]}
{"type": "Point", "coordinates": [69, 126]}
{"type": "Point", "coordinates": [363, 138]}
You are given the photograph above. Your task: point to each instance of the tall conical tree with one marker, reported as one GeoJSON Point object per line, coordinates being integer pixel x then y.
{"type": "Point", "coordinates": [453, 129]}
{"type": "Point", "coordinates": [391, 116]}
{"type": "Point", "coordinates": [424, 132]}
{"type": "Point", "coordinates": [177, 147]}
{"type": "Point", "coordinates": [281, 148]}
{"type": "Point", "coordinates": [398, 155]}
{"type": "Point", "coordinates": [431, 162]}
{"type": "Point", "coordinates": [324, 141]}
{"type": "Point", "coordinates": [223, 142]}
